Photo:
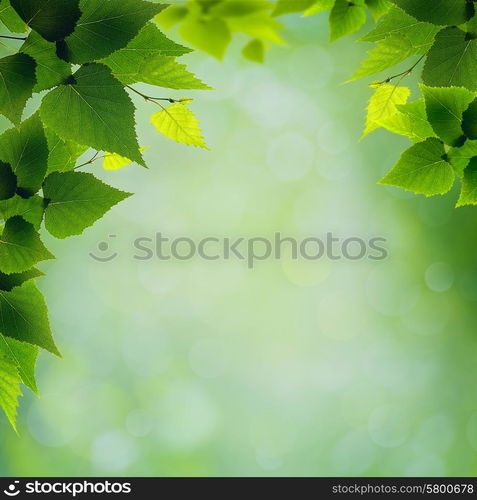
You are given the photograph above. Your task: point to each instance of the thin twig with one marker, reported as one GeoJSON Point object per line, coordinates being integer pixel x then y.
{"type": "Point", "coordinates": [152, 99]}
{"type": "Point", "coordinates": [89, 162]}
{"type": "Point", "coordinates": [13, 37]}
{"type": "Point", "coordinates": [404, 73]}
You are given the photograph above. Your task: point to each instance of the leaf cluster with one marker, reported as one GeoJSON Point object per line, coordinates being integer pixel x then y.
{"type": "Point", "coordinates": [436, 40]}
{"type": "Point", "coordinates": [83, 56]}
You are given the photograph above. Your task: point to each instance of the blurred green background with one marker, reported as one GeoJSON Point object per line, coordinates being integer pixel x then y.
{"type": "Point", "coordinates": [294, 368]}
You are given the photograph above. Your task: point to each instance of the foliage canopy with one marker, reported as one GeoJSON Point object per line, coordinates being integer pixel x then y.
{"type": "Point", "coordinates": [86, 55]}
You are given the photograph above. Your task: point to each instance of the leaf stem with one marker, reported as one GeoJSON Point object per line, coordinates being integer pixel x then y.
{"type": "Point", "coordinates": [152, 99]}
{"type": "Point", "coordinates": [404, 73]}
{"type": "Point", "coordinates": [13, 37]}
{"type": "Point", "coordinates": [89, 162]}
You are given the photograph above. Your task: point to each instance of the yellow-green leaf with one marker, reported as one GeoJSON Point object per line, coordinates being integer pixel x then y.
{"type": "Point", "coordinates": [178, 122]}
{"type": "Point", "coordinates": [9, 389]}
{"type": "Point", "coordinates": [113, 161]}
{"type": "Point", "coordinates": [382, 105]}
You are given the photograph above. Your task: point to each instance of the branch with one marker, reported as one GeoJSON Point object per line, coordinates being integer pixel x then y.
{"type": "Point", "coordinates": [404, 73]}
{"type": "Point", "coordinates": [153, 99]}
{"type": "Point", "coordinates": [13, 37]}
{"type": "Point", "coordinates": [89, 162]}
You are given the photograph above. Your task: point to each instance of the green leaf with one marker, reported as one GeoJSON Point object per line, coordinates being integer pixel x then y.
{"type": "Point", "coordinates": [106, 26]}
{"type": "Point", "coordinates": [17, 79]}
{"type": "Point", "coordinates": [468, 193]}
{"type": "Point", "coordinates": [52, 19]}
{"type": "Point", "coordinates": [20, 247]}
{"type": "Point", "coordinates": [172, 15]}
{"type": "Point", "coordinates": [240, 8]}
{"type": "Point", "coordinates": [210, 35]}
{"type": "Point", "coordinates": [460, 157]}
{"type": "Point", "coordinates": [24, 317]}
{"type": "Point", "coordinates": [469, 120]}
{"type": "Point", "coordinates": [62, 154]}
{"type": "Point", "coordinates": [387, 53]}
{"type": "Point", "coordinates": [151, 41]}
{"type": "Point", "coordinates": [259, 25]}
{"type": "Point", "coordinates": [31, 209]}
{"type": "Point", "coordinates": [177, 122]}
{"type": "Point", "coordinates": [319, 6]}
{"type": "Point", "coordinates": [440, 12]}
{"type": "Point", "coordinates": [50, 69]}
{"type": "Point", "coordinates": [76, 201]}
{"type": "Point", "coordinates": [9, 389]}
{"type": "Point", "coordinates": [254, 51]}
{"type": "Point", "coordinates": [471, 27]}
{"type": "Point", "coordinates": [93, 110]}
{"type": "Point", "coordinates": [346, 18]}
{"type": "Point", "coordinates": [10, 18]}
{"type": "Point", "coordinates": [444, 108]}
{"type": "Point", "coordinates": [378, 8]}
{"type": "Point", "coordinates": [291, 6]}
{"type": "Point", "coordinates": [10, 281]}
{"type": "Point", "coordinates": [397, 22]}
{"type": "Point", "coordinates": [422, 169]}
{"type": "Point", "coordinates": [411, 121]}
{"type": "Point", "coordinates": [8, 181]}
{"type": "Point", "coordinates": [23, 356]}
{"type": "Point", "coordinates": [26, 150]}
{"type": "Point", "coordinates": [382, 105]}
{"type": "Point", "coordinates": [452, 61]}
{"type": "Point", "coordinates": [165, 72]}
{"type": "Point", "coordinates": [126, 63]}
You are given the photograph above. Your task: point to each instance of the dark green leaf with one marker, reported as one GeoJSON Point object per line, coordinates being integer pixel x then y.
{"type": "Point", "coordinates": [93, 110]}
{"type": "Point", "coordinates": [63, 154]}
{"type": "Point", "coordinates": [31, 209]}
{"type": "Point", "coordinates": [26, 150]}
{"type": "Point", "coordinates": [422, 169]}
{"type": "Point", "coordinates": [469, 120]}
{"type": "Point", "coordinates": [8, 181]}
{"type": "Point", "coordinates": [50, 69]}
{"type": "Point", "coordinates": [20, 247]}
{"type": "Point", "coordinates": [105, 27]}
{"type": "Point", "coordinates": [10, 281]}
{"type": "Point", "coordinates": [17, 79]}
{"type": "Point", "coordinates": [440, 12]}
{"type": "Point", "coordinates": [468, 193]}
{"type": "Point", "coordinates": [52, 19]}
{"type": "Point", "coordinates": [24, 317]}
{"type": "Point", "coordinates": [10, 18]}
{"type": "Point", "coordinates": [76, 201]}
{"type": "Point", "coordinates": [452, 61]}
{"type": "Point", "coordinates": [444, 108]}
